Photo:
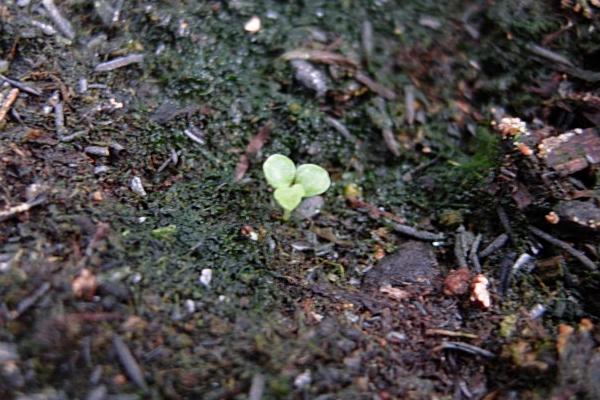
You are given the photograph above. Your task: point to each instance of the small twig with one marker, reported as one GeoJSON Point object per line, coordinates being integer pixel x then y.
{"type": "Point", "coordinates": [506, 271]}
{"type": "Point", "coordinates": [496, 245]}
{"type": "Point", "coordinates": [23, 207]}
{"type": "Point", "coordinates": [319, 56]}
{"type": "Point", "coordinates": [417, 234]}
{"type": "Point", "coordinates": [473, 254]}
{"type": "Point", "coordinates": [119, 62]}
{"type": "Point", "coordinates": [565, 246]}
{"type": "Point", "coordinates": [461, 246]}
{"type": "Point", "coordinates": [73, 136]}
{"type": "Point", "coordinates": [505, 222]}
{"type": "Point", "coordinates": [63, 25]}
{"type": "Point", "coordinates": [45, 28]}
{"type": "Point", "coordinates": [257, 387]}
{"type": "Point", "coordinates": [409, 103]}
{"type": "Point", "coordinates": [173, 159]}
{"type": "Point", "coordinates": [374, 211]}
{"type": "Point", "coordinates": [102, 231]}
{"type": "Point", "coordinates": [21, 86]}
{"type": "Point", "coordinates": [465, 347]}
{"type": "Point", "coordinates": [549, 54]}
{"type": "Point", "coordinates": [366, 38]}
{"type": "Point", "coordinates": [407, 177]}
{"type": "Point", "coordinates": [129, 363]}
{"type": "Point", "coordinates": [8, 102]}
{"type": "Point", "coordinates": [194, 137]}
{"type": "Point", "coordinates": [445, 332]}
{"type": "Point", "coordinates": [27, 302]}
{"type": "Point", "coordinates": [341, 128]}
{"type": "Point", "coordinates": [375, 86]}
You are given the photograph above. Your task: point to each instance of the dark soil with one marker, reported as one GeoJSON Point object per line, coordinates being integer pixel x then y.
{"type": "Point", "coordinates": [141, 252]}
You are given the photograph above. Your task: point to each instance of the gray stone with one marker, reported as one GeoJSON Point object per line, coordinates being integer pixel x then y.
{"type": "Point", "coordinates": [413, 263]}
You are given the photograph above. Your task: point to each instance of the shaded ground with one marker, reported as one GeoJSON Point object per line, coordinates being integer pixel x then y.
{"type": "Point", "coordinates": [104, 290]}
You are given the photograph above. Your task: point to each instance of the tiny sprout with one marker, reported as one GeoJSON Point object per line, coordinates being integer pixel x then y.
{"type": "Point", "coordinates": [292, 184]}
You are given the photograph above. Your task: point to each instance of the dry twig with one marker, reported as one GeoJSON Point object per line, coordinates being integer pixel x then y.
{"type": "Point", "coordinates": [467, 348]}
{"type": "Point", "coordinates": [129, 363]}
{"type": "Point", "coordinates": [445, 332]}
{"type": "Point", "coordinates": [20, 86]}
{"type": "Point", "coordinates": [21, 208]}
{"type": "Point", "coordinates": [496, 245]}
{"type": "Point", "coordinates": [565, 246]}
{"type": "Point", "coordinates": [417, 234]}
{"type": "Point", "coordinates": [63, 24]}
{"type": "Point", "coordinates": [119, 62]}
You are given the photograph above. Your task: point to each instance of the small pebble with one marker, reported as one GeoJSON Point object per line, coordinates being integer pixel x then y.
{"type": "Point", "coordinates": [137, 187]}
{"type": "Point", "coordinates": [190, 306]}
{"type": "Point", "coordinates": [303, 380]}
{"type": "Point", "coordinates": [206, 277]}
{"type": "Point", "coordinates": [537, 311]}
{"type": "Point", "coordinates": [253, 25]}
{"type": "Point", "coordinates": [310, 207]}
{"type": "Point", "coordinates": [82, 85]}
{"type": "Point", "coordinates": [310, 76]}
{"type": "Point", "coordinates": [136, 278]}
{"type": "Point", "coordinates": [396, 337]}
{"type": "Point", "coordinates": [97, 151]}
{"type": "Point", "coordinates": [100, 170]}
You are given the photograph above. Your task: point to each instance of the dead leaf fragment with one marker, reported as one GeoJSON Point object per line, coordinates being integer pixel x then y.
{"type": "Point", "coordinates": [479, 291]}
{"type": "Point", "coordinates": [254, 146]}
{"type": "Point", "coordinates": [457, 282]}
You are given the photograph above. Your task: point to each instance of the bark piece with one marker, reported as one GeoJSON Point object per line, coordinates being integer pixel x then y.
{"type": "Point", "coordinates": [572, 151]}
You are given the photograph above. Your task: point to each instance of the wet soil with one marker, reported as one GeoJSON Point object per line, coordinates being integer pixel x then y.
{"type": "Point", "coordinates": [141, 252]}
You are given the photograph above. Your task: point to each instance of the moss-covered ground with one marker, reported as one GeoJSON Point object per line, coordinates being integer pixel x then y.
{"type": "Point", "coordinates": [284, 307]}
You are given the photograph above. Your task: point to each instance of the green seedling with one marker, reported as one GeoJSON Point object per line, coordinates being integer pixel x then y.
{"type": "Point", "coordinates": [291, 184]}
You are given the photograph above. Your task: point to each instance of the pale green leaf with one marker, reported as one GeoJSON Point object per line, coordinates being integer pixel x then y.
{"type": "Point", "coordinates": [289, 197]}
{"type": "Point", "coordinates": [314, 179]}
{"type": "Point", "coordinates": [279, 171]}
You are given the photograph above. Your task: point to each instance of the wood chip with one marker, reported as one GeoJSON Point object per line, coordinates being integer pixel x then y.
{"type": "Point", "coordinates": [8, 102]}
